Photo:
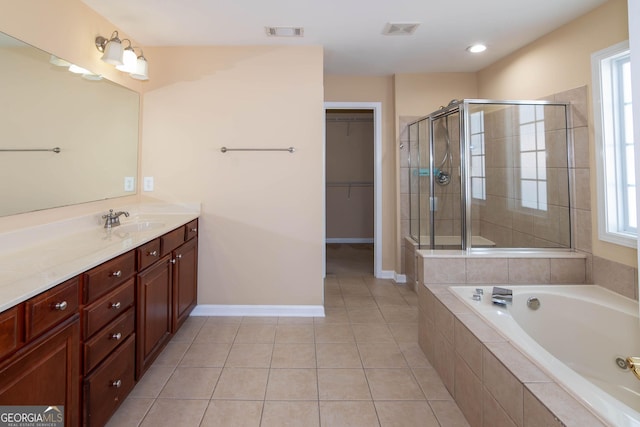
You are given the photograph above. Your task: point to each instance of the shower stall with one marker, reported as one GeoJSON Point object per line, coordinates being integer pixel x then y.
{"type": "Point", "coordinates": [490, 174]}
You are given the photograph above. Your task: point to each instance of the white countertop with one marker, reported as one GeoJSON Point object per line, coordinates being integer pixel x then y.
{"type": "Point", "coordinates": [35, 259]}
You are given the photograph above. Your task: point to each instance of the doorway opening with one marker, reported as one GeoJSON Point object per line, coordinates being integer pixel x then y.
{"type": "Point", "coordinates": [353, 228]}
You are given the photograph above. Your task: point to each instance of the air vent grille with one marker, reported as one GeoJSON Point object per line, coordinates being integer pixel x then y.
{"type": "Point", "coordinates": [284, 31]}
{"type": "Point", "coordinates": [400, 28]}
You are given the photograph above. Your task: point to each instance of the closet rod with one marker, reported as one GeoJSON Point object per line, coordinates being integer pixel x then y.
{"type": "Point", "coordinates": [55, 149]}
{"type": "Point", "coordinates": [225, 149]}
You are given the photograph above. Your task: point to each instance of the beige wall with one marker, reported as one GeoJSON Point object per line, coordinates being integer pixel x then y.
{"type": "Point", "coordinates": [70, 35]}
{"type": "Point", "coordinates": [557, 62]}
{"type": "Point", "coordinates": [261, 231]}
{"type": "Point", "coordinates": [421, 94]}
{"type": "Point", "coordinates": [339, 88]}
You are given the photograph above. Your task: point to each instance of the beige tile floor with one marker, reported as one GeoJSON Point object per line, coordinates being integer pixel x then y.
{"type": "Point", "coordinates": [358, 366]}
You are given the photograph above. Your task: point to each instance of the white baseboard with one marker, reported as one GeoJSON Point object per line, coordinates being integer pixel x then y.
{"type": "Point", "coordinates": [387, 274]}
{"type": "Point", "coordinates": [400, 278]}
{"type": "Point", "coordinates": [348, 240]}
{"type": "Point", "coordinates": [259, 310]}
{"type": "Point", "coordinates": [390, 274]}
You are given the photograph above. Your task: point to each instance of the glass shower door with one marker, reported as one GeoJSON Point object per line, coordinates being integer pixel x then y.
{"type": "Point", "coordinates": [446, 200]}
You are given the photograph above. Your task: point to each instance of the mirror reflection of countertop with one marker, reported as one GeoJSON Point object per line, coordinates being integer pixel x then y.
{"type": "Point", "coordinates": [35, 259]}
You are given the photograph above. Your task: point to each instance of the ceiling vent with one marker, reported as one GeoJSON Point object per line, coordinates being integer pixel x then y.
{"type": "Point", "coordinates": [284, 31]}
{"type": "Point", "coordinates": [400, 28]}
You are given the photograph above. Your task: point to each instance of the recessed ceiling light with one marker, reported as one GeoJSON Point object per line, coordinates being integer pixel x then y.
{"type": "Point", "coordinates": [477, 48]}
{"type": "Point", "coordinates": [400, 28]}
{"type": "Point", "coordinates": [284, 31]}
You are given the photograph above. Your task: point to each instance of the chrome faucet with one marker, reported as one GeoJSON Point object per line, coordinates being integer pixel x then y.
{"type": "Point", "coordinates": [501, 296]}
{"type": "Point", "coordinates": [112, 219]}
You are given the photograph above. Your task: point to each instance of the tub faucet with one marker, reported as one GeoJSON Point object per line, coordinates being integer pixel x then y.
{"type": "Point", "coordinates": [501, 296]}
{"type": "Point", "coordinates": [633, 363]}
{"type": "Point", "coordinates": [112, 219]}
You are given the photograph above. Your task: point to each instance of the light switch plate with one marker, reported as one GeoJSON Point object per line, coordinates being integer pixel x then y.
{"type": "Point", "coordinates": [147, 183]}
{"type": "Point", "coordinates": [129, 183]}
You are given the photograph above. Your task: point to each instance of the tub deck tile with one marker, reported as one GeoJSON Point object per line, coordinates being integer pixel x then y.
{"type": "Point", "coordinates": [560, 403]}
{"type": "Point", "coordinates": [521, 367]}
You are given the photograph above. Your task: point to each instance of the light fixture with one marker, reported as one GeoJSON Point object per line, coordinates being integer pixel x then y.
{"type": "Point", "coordinates": [112, 49]}
{"type": "Point", "coordinates": [129, 59]}
{"type": "Point", "coordinates": [142, 68]}
{"type": "Point", "coordinates": [477, 48]}
{"type": "Point", "coordinates": [125, 59]}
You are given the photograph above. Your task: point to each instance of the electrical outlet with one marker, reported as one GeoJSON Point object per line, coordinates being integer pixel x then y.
{"type": "Point", "coordinates": [147, 183]}
{"type": "Point", "coordinates": [129, 183]}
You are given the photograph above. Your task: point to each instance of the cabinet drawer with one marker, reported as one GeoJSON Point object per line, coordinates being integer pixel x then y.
{"type": "Point", "coordinates": [51, 307]}
{"type": "Point", "coordinates": [172, 240]}
{"type": "Point", "coordinates": [108, 386]}
{"type": "Point", "coordinates": [148, 254]}
{"type": "Point", "coordinates": [107, 276]}
{"type": "Point", "coordinates": [108, 307]}
{"type": "Point", "coordinates": [11, 329]}
{"type": "Point", "coordinates": [98, 347]}
{"type": "Point", "coordinates": [191, 230]}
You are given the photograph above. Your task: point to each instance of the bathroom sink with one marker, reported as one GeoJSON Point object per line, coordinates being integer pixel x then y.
{"type": "Point", "coordinates": [138, 226]}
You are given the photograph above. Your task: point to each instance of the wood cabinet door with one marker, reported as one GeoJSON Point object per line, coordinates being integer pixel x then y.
{"type": "Point", "coordinates": [153, 322]}
{"type": "Point", "coordinates": [185, 282]}
{"type": "Point", "coordinates": [46, 372]}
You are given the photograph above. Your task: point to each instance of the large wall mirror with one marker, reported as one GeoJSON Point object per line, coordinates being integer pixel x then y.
{"type": "Point", "coordinates": [43, 106]}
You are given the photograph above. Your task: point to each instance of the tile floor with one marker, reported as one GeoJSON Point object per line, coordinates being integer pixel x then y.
{"type": "Point", "coordinates": [358, 366]}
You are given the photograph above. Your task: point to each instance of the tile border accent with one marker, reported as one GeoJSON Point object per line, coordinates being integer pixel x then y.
{"type": "Point", "coordinates": [258, 310]}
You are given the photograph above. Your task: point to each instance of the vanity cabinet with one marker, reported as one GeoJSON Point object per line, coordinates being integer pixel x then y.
{"type": "Point", "coordinates": [166, 291]}
{"type": "Point", "coordinates": [185, 282]}
{"type": "Point", "coordinates": [11, 330]}
{"type": "Point", "coordinates": [46, 371]}
{"type": "Point", "coordinates": [84, 343]}
{"type": "Point", "coordinates": [153, 312]}
{"type": "Point", "coordinates": [108, 334]}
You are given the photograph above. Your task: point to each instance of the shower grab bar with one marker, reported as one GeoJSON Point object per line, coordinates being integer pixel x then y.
{"type": "Point", "coordinates": [290, 149]}
{"type": "Point", "coordinates": [55, 149]}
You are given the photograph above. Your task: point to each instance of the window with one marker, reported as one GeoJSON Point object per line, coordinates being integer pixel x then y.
{"type": "Point", "coordinates": [617, 216]}
{"type": "Point", "coordinates": [478, 177]}
{"type": "Point", "coordinates": [533, 157]}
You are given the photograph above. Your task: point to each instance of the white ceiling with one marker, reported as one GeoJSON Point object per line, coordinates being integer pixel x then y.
{"type": "Point", "coordinates": [351, 30]}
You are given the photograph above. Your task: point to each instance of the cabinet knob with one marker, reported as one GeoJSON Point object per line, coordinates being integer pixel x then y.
{"type": "Point", "coordinates": [179, 256]}
{"type": "Point", "coordinates": [116, 336]}
{"type": "Point", "coordinates": [194, 230]}
{"type": "Point", "coordinates": [60, 306]}
{"type": "Point", "coordinates": [116, 305]}
{"type": "Point", "coordinates": [116, 383]}
{"type": "Point", "coordinates": [153, 253]}
{"type": "Point", "coordinates": [172, 261]}
{"type": "Point", "coordinates": [116, 273]}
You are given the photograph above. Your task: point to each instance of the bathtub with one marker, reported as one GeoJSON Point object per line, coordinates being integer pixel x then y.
{"type": "Point", "coordinates": [576, 336]}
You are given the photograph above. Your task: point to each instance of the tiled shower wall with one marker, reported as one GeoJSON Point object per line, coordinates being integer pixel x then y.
{"type": "Point", "coordinates": [502, 215]}
{"type": "Point", "coordinates": [615, 276]}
